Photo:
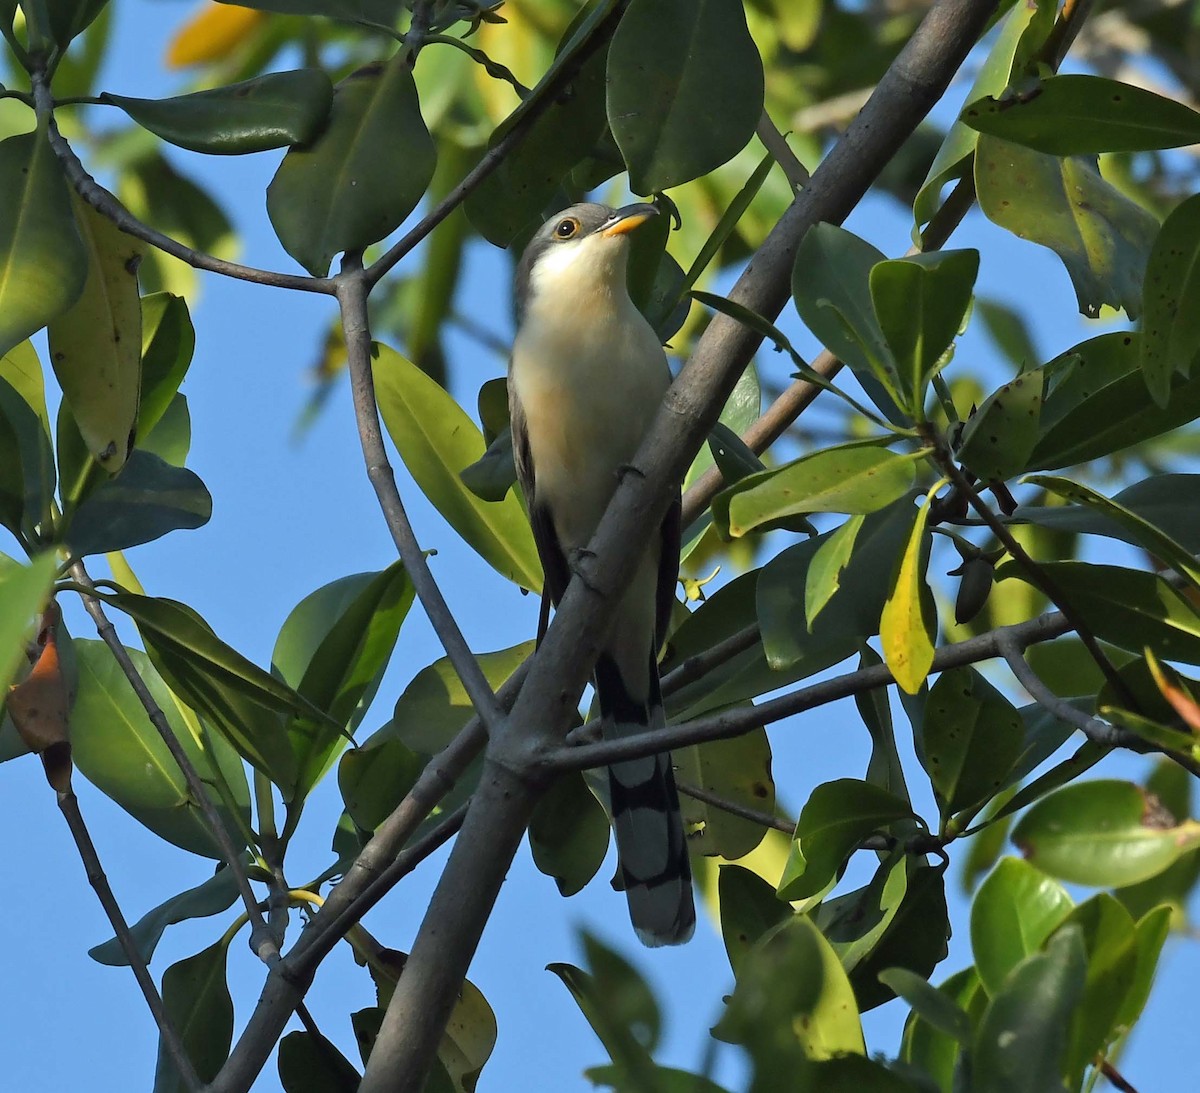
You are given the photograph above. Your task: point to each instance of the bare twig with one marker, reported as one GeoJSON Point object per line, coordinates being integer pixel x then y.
{"type": "Point", "coordinates": [262, 941]}
{"type": "Point", "coordinates": [495, 823]}
{"type": "Point", "coordinates": [763, 819]}
{"type": "Point", "coordinates": [776, 143]}
{"type": "Point", "coordinates": [1118, 1080]}
{"type": "Point", "coordinates": [68, 804]}
{"type": "Point", "coordinates": [352, 289]}
{"type": "Point", "coordinates": [108, 206]}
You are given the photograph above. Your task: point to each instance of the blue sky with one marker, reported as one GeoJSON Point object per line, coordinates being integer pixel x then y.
{"type": "Point", "coordinates": [290, 517]}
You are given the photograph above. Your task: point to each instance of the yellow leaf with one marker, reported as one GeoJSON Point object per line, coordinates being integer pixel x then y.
{"type": "Point", "coordinates": [214, 32]}
{"type": "Point", "coordinates": [905, 628]}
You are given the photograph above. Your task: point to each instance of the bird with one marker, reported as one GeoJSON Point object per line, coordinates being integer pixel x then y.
{"type": "Point", "coordinates": [586, 377]}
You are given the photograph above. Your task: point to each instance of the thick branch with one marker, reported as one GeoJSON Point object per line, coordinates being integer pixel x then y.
{"type": "Point", "coordinates": [352, 289]}
{"type": "Point", "coordinates": [462, 903]}
{"type": "Point", "coordinates": [262, 941]}
{"type": "Point", "coordinates": [107, 205]}
{"type": "Point", "coordinates": [68, 804]}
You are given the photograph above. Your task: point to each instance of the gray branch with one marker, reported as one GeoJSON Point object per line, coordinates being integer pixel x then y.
{"type": "Point", "coordinates": [495, 823]}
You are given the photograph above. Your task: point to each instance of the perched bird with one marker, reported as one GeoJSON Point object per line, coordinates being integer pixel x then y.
{"type": "Point", "coordinates": [585, 380]}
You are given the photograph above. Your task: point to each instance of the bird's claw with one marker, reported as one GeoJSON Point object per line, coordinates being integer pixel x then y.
{"type": "Point", "coordinates": [576, 558]}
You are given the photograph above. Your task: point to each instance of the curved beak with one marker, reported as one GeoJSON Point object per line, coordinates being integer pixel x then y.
{"type": "Point", "coordinates": [626, 219]}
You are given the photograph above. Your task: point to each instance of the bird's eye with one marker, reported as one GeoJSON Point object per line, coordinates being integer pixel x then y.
{"type": "Point", "coordinates": [565, 229]}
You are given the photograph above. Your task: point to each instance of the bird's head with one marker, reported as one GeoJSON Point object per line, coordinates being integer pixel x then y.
{"type": "Point", "coordinates": [578, 256]}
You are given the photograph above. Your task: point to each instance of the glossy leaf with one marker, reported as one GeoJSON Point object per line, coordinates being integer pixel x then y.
{"type": "Point", "coordinates": [831, 287]}
{"type": "Point", "coordinates": [685, 89]}
{"type": "Point", "coordinates": [270, 111]}
{"type": "Point", "coordinates": [854, 479]}
{"type": "Point", "coordinates": [96, 344]}
{"type": "Point", "coordinates": [1170, 330]}
{"type": "Point", "coordinates": [855, 922]}
{"type": "Point", "coordinates": [333, 649]}
{"type": "Point", "coordinates": [197, 1000]}
{"type": "Point", "coordinates": [146, 501]}
{"type": "Point", "coordinates": [1079, 115]}
{"type": "Point", "coordinates": [1102, 833]}
{"type": "Point", "coordinates": [1102, 237]}
{"type": "Point", "coordinates": [908, 623]}
{"type": "Point", "coordinates": [215, 895]}
{"type": "Point", "coordinates": [359, 179]}
{"type": "Point", "coordinates": [852, 612]}
{"type": "Point", "coordinates": [43, 264]}
{"type": "Point", "coordinates": [168, 341]}
{"type": "Point", "coordinates": [1022, 1039]}
{"type": "Point", "coordinates": [23, 593]}
{"type": "Point", "coordinates": [749, 908]}
{"type": "Point", "coordinates": [827, 566]}
{"type": "Point", "coordinates": [568, 833]}
{"type": "Point", "coordinates": [26, 458]}
{"type": "Point", "coordinates": [309, 1063]}
{"type": "Point", "coordinates": [971, 738]}
{"type": "Point", "coordinates": [740, 411]}
{"type": "Point", "coordinates": [1016, 908]}
{"type": "Point", "coordinates": [70, 18]}
{"type": "Point", "coordinates": [737, 770]}
{"type": "Point", "coordinates": [436, 440]}
{"type": "Point", "coordinates": [1001, 435]}
{"type": "Point", "coordinates": [884, 768]}
{"type": "Point", "coordinates": [931, 1049]}
{"type": "Point", "coordinates": [1130, 608]}
{"type": "Point", "coordinates": [1152, 930]}
{"type": "Point", "coordinates": [119, 751]}
{"type": "Point", "coordinates": [920, 302]}
{"type": "Point", "coordinates": [933, 1005]}
{"type": "Point", "coordinates": [838, 816]}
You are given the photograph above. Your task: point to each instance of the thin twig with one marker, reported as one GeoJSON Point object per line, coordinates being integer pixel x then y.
{"type": "Point", "coordinates": [352, 289]}
{"type": "Point", "coordinates": [262, 941]}
{"type": "Point", "coordinates": [110, 207]}
{"type": "Point", "coordinates": [1118, 1080]}
{"type": "Point", "coordinates": [68, 804]}
{"type": "Point", "coordinates": [763, 819]}
{"type": "Point", "coordinates": [776, 143]}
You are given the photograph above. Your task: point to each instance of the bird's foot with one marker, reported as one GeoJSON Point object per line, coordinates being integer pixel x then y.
{"type": "Point", "coordinates": [577, 559]}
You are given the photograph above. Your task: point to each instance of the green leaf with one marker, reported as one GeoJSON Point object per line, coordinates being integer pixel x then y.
{"type": "Point", "coordinates": [1098, 403]}
{"type": "Point", "coordinates": [168, 341]}
{"type": "Point", "coordinates": [568, 833]}
{"type": "Point", "coordinates": [1080, 115]}
{"type": "Point", "coordinates": [838, 816]}
{"type": "Point", "coordinates": [197, 1000]}
{"type": "Point", "coordinates": [309, 1063]}
{"type": "Point", "coordinates": [908, 623]}
{"type": "Point", "coordinates": [930, 1049]}
{"type": "Point", "coordinates": [1152, 930]}
{"type": "Point", "coordinates": [148, 499]}
{"type": "Point", "coordinates": [43, 264]}
{"type": "Point", "coordinates": [1170, 330]}
{"type": "Point", "coordinates": [855, 922]}
{"type": "Point", "coordinates": [920, 303]}
{"type": "Point", "coordinates": [792, 983]}
{"type": "Point", "coordinates": [70, 18]}
{"type": "Point", "coordinates": [1142, 532]}
{"type": "Point", "coordinates": [382, 12]}
{"type": "Point", "coordinates": [831, 285]}
{"type": "Point", "coordinates": [26, 458]}
{"type": "Point", "coordinates": [333, 649]}
{"type": "Point", "coordinates": [1110, 939]}
{"type": "Point", "coordinates": [740, 411]}
{"type": "Point", "coordinates": [271, 111]}
{"type": "Point", "coordinates": [1024, 30]}
{"type": "Point", "coordinates": [854, 479]}
{"type": "Point", "coordinates": [971, 738]}
{"type": "Point", "coordinates": [243, 702]}
{"type": "Point", "coordinates": [215, 895]}
{"type": "Point", "coordinates": [749, 908]}
{"type": "Point", "coordinates": [884, 768]}
{"type": "Point", "coordinates": [667, 1080]}
{"type": "Point", "coordinates": [737, 770]}
{"type": "Point", "coordinates": [1102, 237]}
{"type": "Point", "coordinates": [934, 1006]}
{"type": "Point", "coordinates": [685, 89]}
{"type": "Point", "coordinates": [1001, 435]}
{"type": "Point", "coordinates": [1022, 1038]}
{"type": "Point", "coordinates": [24, 590]}
{"type": "Point", "coordinates": [118, 750]}
{"type": "Point", "coordinates": [789, 638]}
{"type": "Point", "coordinates": [358, 180]}
{"type": "Point", "coordinates": [1103, 833]}
{"type": "Point", "coordinates": [436, 440]}
{"type": "Point", "coordinates": [1130, 608]}
{"type": "Point", "coordinates": [96, 343]}
{"type": "Point", "coordinates": [828, 564]}
{"type": "Point", "coordinates": [1015, 910]}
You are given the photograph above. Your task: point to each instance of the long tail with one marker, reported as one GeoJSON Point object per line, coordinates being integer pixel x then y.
{"type": "Point", "coordinates": [645, 809]}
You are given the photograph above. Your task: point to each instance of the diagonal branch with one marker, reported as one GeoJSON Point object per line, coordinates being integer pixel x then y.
{"type": "Point", "coordinates": [352, 289]}
{"type": "Point", "coordinates": [68, 804]}
{"type": "Point", "coordinates": [107, 205]}
{"type": "Point", "coordinates": [500, 810]}
{"type": "Point", "coordinates": [262, 941]}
